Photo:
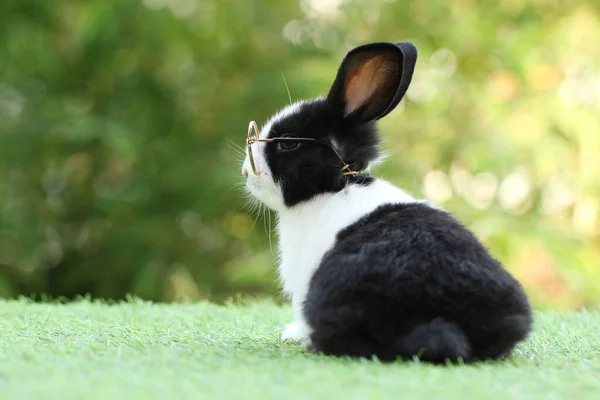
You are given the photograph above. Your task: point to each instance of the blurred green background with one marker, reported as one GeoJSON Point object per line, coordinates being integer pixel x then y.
{"type": "Point", "coordinates": [119, 121]}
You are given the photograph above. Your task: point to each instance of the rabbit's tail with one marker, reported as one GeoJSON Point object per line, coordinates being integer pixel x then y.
{"type": "Point", "coordinates": [435, 341]}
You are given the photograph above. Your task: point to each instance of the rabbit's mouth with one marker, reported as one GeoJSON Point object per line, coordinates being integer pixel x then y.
{"type": "Point", "coordinates": [263, 188]}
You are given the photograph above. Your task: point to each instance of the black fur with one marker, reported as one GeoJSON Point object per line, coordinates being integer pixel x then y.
{"type": "Point", "coordinates": [409, 280]}
{"type": "Point", "coordinates": [312, 169]}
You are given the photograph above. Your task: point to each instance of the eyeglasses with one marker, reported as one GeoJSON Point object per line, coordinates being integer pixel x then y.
{"type": "Point", "coordinates": [253, 138]}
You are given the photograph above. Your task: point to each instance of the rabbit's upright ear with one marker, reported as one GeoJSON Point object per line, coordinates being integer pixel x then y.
{"type": "Point", "coordinates": [372, 80]}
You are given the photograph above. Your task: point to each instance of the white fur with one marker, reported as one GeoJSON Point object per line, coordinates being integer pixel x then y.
{"type": "Point", "coordinates": [308, 230]}
{"type": "Point", "coordinates": [285, 112]}
{"type": "Point", "coordinates": [263, 187]}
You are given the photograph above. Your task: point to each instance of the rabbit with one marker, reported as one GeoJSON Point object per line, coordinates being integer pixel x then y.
{"type": "Point", "coordinates": [371, 271]}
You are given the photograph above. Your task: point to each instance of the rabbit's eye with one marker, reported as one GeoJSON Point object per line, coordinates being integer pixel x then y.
{"type": "Point", "coordinates": [287, 146]}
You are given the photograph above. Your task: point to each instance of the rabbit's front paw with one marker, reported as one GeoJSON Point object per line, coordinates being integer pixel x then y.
{"type": "Point", "coordinates": [297, 331]}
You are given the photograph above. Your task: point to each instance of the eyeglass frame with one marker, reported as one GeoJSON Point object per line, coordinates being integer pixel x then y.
{"type": "Point", "coordinates": [250, 140]}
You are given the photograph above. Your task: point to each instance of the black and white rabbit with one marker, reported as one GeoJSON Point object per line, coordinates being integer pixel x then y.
{"type": "Point", "coordinates": [370, 270]}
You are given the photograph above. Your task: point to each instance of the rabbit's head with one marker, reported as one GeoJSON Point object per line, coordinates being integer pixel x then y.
{"type": "Point", "coordinates": [319, 146]}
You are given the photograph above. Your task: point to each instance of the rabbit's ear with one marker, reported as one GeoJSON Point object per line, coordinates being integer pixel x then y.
{"type": "Point", "coordinates": [372, 80]}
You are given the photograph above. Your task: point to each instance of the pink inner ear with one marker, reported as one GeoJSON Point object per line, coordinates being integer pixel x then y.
{"type": "Point", "coordinates": [364, 81]}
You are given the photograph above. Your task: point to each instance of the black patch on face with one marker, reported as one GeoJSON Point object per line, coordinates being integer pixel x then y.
{"type": "Point", "coordinates": [312, 169]}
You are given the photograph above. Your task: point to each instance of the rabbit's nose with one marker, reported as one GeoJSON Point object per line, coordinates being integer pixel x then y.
{"type": "Point", "coordinates": [245, 172]}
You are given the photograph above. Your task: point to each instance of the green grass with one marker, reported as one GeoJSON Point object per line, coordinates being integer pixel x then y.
{"type": "Point", "coordinates": [139, 350]}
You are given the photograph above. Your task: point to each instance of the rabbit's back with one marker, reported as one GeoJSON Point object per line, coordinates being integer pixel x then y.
{"type": "Point", "coordinates": [409, 268]}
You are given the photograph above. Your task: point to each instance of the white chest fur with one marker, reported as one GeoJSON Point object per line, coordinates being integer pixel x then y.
{"type": "Point", "coordinates": [309, 230]}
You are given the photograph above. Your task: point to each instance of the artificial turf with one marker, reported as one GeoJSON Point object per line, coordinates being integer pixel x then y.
{"type": "Point", "coordinates": [138, 350]}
